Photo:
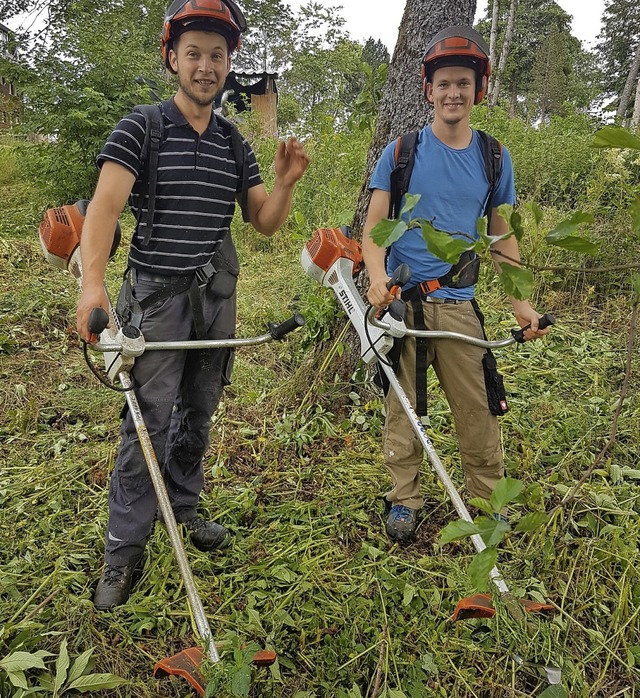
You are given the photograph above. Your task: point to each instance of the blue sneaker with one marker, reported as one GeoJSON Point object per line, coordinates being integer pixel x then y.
{"type": "Point", "coordinates": [401, 524]}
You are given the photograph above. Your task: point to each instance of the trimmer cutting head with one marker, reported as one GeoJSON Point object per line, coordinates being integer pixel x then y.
{"type": "Point", "coordinates": [481, 606]}
{"type": "Point", "coordinates": [187, 663]}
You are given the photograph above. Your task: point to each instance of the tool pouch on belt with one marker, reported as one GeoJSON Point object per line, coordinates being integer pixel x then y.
{"type": "Point", "coordinates": [466, 271]}
{"type": "Point", "coordinates": [221, 274]}
{"type": "Point", "coordinates": [496, 395]}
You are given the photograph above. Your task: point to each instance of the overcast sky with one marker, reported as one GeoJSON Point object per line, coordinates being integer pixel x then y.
{"type": "Point", "coordinates": [381, 18]}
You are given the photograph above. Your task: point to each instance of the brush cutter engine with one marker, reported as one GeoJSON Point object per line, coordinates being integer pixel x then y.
{"type": "Point", "coordinates": [60, 232]}
{"type": "Point", "coordinates": [334, 259]}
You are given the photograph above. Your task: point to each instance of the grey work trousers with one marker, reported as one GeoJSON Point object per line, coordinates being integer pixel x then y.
{"type": "Point", "coordinates": [458, 367]}
{"type": "Point", "coordinates": [178, 392]}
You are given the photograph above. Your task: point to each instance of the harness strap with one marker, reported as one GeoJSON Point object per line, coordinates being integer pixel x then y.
{"type": "Point", "coordinates": [421, 357]}
{"type": "Point", "coordinates": [154, 129]}
{"type": "Point", "coordinates": [131, 310]}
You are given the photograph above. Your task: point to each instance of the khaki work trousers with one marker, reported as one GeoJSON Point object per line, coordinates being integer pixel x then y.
{"type": "Point", "coordinates": [458, 367]}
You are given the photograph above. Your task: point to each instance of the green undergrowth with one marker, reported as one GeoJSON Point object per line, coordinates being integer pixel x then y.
{"type": "Point", "coordinates": [294, 470]}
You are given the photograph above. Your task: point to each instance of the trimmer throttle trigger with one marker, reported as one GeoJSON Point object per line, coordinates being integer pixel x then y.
{"type": "Point", "coordinates": [397, 310]}
{"type": "Point", "coordinates": [98, 320]}
{"type": "Point", "coordinates": [545, 321]}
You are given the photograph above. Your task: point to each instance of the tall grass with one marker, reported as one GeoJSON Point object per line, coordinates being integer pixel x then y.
{"type": "Point", "coordinates": [294, 469]}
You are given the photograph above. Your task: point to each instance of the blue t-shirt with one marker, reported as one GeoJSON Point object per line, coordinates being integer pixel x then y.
{"type": "Point", "coordinates": [453, 190]}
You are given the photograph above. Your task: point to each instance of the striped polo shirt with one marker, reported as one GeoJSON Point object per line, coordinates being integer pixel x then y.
{"type": "Point", "coordinates": [195, 194]}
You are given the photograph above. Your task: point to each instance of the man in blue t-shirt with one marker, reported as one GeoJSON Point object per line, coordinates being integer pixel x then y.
{"type": "Point", "coordinates": [177, 274]}
{"type": "Point", "coordinates": [450, 176]}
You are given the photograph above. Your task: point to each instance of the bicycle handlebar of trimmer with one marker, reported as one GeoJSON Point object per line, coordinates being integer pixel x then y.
{"type": "Point", "coordinates": [279, 331]}
{"type": "Point", "coordinates": [99, 319]}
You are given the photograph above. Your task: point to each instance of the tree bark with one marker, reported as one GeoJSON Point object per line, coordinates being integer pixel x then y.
{"type": "Point", "coordinates": [635, 119]}
{"type": "Point", "coordinates": [508, 35]}
{"type": "Point", "coordinates": [493, 41]}
{"type": "Point", "coordinates": [403, 106]}
{"type": "Point", "coordinates": [628, 87]}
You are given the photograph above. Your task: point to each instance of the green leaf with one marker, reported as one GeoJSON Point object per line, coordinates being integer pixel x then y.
{"type": "Point", "coordinates": [537, 212]}
{"type": "Point", "coordinates": [482, 504]}
{"type": "Point", "coordinates": [531, 521]}
{"type": "Point", "coordinates": [21, 661]}
{"type": "Point", "coordinates": [410, 202]}
{"type": "Point", "coordinates": [505, 211]}
{"type": "Point", "coordinates": [576, 244]}
{"type": "Point", "coordinates": [408, 594]}
{"type": "Point", "coordinates": [635, 280]}
{"type": "Point", "coordinates": [443, 245]}
{"type": "Point", "coordinates": [492, 530]}
{"type": "Point", "coordinates": [481, 228]}
{"type": "Point", "coordinates": [555, 691]}
{"type": "Point", "coordinates": [456, 530]}
{"type": "Point", "coordinates": [96, 682]}
{"type": "Point", "coordinates": [568, 226]}
{"type": "Point", "coordinates": [615, 137]}
{"type": "Point", "coordinates": [62, 667]}
{"type": "Point", "coordinates": [516, 225]}
{"type": "Point", "coordinates": [480, 567]}
{"type": "Point", "coordinates": [386, 232]}
{"type": "Point", "coordinates": [241, 682]}
{"type": "Point", "coordinates": [79, 665]}
{"type": "Point", "coordinates": [506, 490]}
{"type": "Point", "coordinates": [18, 679]}
{"type": "Point", "coordinates": [516, 281]}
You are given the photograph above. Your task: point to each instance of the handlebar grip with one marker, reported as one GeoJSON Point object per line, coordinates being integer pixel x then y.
{"type": "Point", "coordinates": [545, 321]}
{"type": "Point", "coordinates": [98, 320]}
{"type": "Point", "coordinates": [279, 331]}
{"type": "Point", "coordinates": [398, 310]}
{"type": "Point", "coordinates": [400, 276]}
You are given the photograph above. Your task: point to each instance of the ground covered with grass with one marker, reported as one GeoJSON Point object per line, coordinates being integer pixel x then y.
{"type": "Point", "coordinates": [294, 470]}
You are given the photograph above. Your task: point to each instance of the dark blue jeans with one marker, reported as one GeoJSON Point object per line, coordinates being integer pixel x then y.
{"type": "Point", "coordinates": [178, 392]}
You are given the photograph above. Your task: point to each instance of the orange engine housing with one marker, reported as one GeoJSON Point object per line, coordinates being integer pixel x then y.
{"type": "Point", "coordinates": [330, 244]}
{"type": "Point", "coordinates": [60, 231]}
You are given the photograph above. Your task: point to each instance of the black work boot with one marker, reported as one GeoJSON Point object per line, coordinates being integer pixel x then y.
{"type": "Point", "coordinates": [207, 535]}
{"type": "Point", "coordinates": [114, 586]}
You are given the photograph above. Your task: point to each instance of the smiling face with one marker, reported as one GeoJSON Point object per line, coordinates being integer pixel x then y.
{"type": "Point", "coordinates": [202, 63]}
{"type": "Point", "coordinates": [452, 93]}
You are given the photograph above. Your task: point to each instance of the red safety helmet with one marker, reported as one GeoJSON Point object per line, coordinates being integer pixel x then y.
{"type": "Point", "coordinates": [221, 16]}
{"type": "Point", "coordinates": [458, 46]}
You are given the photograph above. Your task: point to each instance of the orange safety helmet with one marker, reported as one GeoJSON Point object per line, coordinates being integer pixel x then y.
{"type": "Point", "coordinates": [458, 46]}
{"type": "Point", "coordinates": [221, 16]}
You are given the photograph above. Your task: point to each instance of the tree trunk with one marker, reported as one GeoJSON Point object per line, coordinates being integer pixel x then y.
{"type": "Point", "coordinates": [635, 119]}
{"type": "Point", "coordinates": [508, 35]}
{"type": "Point", "coordinates": [493, 45]}
{"type": "Point", "coordinates": [403, 106]}
{"type": "Point", "coordinates": [628, 87]}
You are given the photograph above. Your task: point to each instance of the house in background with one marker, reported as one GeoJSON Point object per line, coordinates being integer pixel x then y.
{"type": "Point", "coordinates": [253, 91]}
{"type": "Point", "coordinates": [9, 102]}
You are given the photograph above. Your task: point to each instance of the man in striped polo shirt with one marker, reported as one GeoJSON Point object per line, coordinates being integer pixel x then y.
{"type": "Point", "coordinates": [197, 185]}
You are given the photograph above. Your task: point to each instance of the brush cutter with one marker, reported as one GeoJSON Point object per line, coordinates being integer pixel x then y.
{"type": "Point", "coordinates": [333, 259]}
{"type": "Point", "coordinates": [60, 238]}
